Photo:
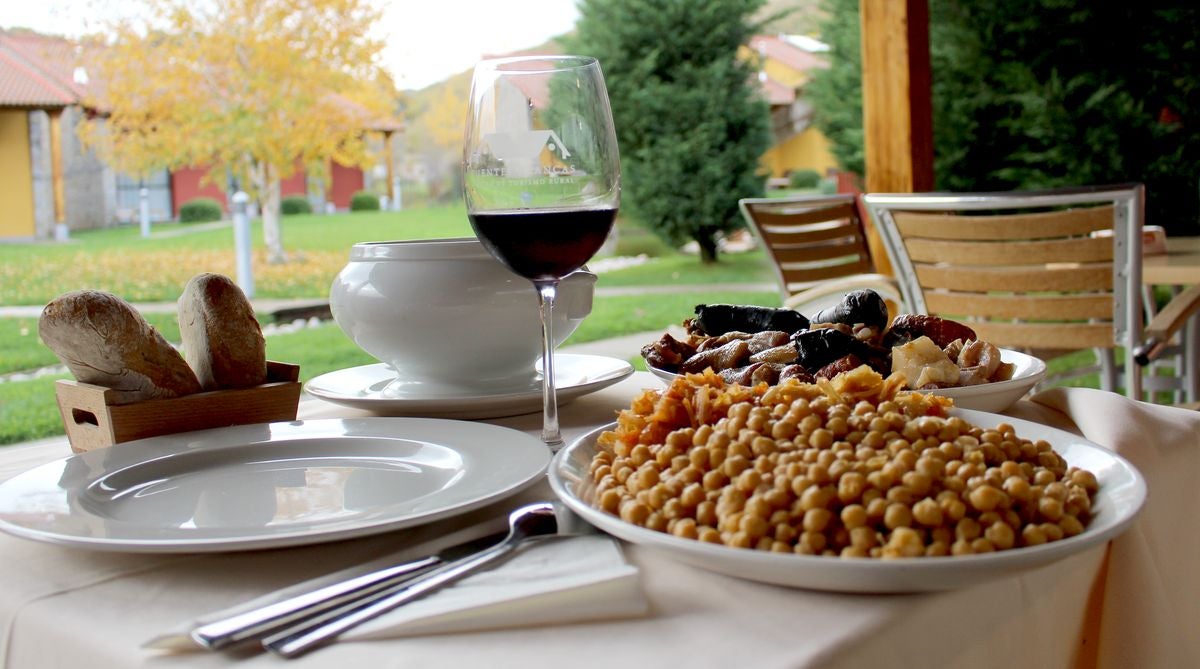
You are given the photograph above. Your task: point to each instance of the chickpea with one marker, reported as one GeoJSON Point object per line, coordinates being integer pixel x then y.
{"type": "Point", "coordinates": [1052, 531]}
{"type": "Point", "coordinates": [853, 515]}
{"type": "Point", "coordinates": [904, 542]}
{"type": "Point", "coordinates": [967, 529]}
{"type": "Point", "coordinates": [715, 480]}
{"type": "Point", "coordinates": [927, 512]}
{"type": "Point", "coordinates": [876, 508]}
{"type": "Point", "coordinates": [1070, 526]}
{"type": "Point", "coordinates": [1016, 487]}
{"type": "Point", "coordinates": [1032, 535]}
{"type": "Point", "coordinates": [851, 486]}
{"type": "Point", "coordinates": [897, 515]}
{"type": "Point", "coordinates": [610, 501]}
{"type": "Point", "coordinates": [816, 520]}
{"type": "Point", "coordinates": [1085, 479]}
{"type": "Point", "coordinates": [812, 542]}
{"type": "Point", "coordinates": [634, 512]}
{"type": "Point", "coordinates": [985, 498]}
{"type": "Point", "coordinates": [1050, 508]}
{"type": "Point", "coordinates": [821, 438]}
{"type": "Point", "coordinates": [982, 545]}
{"type": "Point", "coordinates": [1001, 535]}
{"type": "Point", "coordinates": [918, 483]}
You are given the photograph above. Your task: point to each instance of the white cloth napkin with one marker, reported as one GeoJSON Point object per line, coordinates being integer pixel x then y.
{"type": "Point", "coordinates": [552, 582]}
{"type": "Point", "coordinates": [559, 581]}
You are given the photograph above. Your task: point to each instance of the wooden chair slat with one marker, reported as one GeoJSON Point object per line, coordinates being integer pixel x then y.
{"type": "Point", "coordinates": [1044, 335]}
{"type": "Point", "coordinates": [791, 215]}
{"type": "Point", "coordinates": [1080, 249]}
{"type": "Point", "coordinates": [815, 252]}
{"type": "Point", "coordinates": [815, 233]}
{"type": "Point", "coordinates": [1074, 278]}
{"type": "Point", "coordinates": [1037, 225]}
{"type": "Point", "coordinates": [1029, 307]}
{"type": "Point", "coordinates": [823, 272]}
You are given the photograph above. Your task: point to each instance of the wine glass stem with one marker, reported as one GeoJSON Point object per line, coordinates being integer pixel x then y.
{"type": "Point", "coordinates": [546, 290]}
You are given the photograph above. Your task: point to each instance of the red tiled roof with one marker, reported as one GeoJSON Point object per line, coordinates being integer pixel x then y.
{"type": "Point", "coordinates": [27, 82]}
{"type": "Point", "coordinates": [778, 48]}
{"type": "Point", "coordinates": [58, 57]}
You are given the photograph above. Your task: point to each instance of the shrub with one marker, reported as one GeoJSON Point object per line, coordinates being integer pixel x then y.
{"type": "Point", "coordinates": [364, 201]}
{"type": "Point", "coordinates": [200, 210]}
{"type": "Point", "coordinates": [295, 204]}
{"type": "Point", "coordinates": [806, 179]}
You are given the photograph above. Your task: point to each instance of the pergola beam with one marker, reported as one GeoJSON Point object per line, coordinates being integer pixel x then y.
{"type": "Point", "coordinates": [897, 107]}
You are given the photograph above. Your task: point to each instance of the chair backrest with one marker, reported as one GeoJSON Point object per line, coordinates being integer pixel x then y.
{"type": "Point", "coordinates": [1053, 269]}
{"type": "Point", "coordinates": [809, 239]}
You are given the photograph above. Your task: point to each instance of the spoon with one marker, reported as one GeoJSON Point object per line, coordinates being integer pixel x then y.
{"type": "Point", "coordinates": [534, 521]}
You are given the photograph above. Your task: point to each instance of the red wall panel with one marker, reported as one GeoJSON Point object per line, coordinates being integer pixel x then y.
{"type": "Point", "coordinates": [185, 185]}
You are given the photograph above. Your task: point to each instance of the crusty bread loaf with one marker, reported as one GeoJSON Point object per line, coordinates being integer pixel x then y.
{"type": "Point", "coordinates": [103, 340]}
{"type": "Point", "coordinates": [222, 340]}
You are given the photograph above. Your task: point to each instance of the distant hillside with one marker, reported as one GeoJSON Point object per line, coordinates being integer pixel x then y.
{"type": "Point", "coordinates": [804, 17]}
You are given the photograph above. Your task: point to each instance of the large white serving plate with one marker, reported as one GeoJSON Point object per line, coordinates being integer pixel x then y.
{"type": "Point", "coordinates": [1121, 495]}
{"type": "Point", "coordinates": [996, 396]}
{"type": "Point", "coordinates": [270, 484]}
{"type": "Point", "coordinates": [376, 388]}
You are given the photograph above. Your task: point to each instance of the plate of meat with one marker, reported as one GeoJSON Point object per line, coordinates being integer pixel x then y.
{"type": "Point", "coordinates": [750, 344]}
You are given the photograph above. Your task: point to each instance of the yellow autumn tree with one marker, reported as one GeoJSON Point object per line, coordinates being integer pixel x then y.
{"type": "Point", "coordinates": [252, 87]}
{"type": "Point", "coordinates": [436, 117]}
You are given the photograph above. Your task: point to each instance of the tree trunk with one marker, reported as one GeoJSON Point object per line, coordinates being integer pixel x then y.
{"type": "Point", "coordinates": [708, 248]}
{"type": "Point", "coordinates": [272, 232]}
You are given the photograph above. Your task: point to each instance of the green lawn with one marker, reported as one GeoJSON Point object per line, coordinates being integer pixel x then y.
{"type": "Point", "coordinates": [155, 269]}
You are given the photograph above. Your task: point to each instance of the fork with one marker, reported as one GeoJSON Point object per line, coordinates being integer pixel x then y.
{"type": "Point", "coordinates": [531, 522]}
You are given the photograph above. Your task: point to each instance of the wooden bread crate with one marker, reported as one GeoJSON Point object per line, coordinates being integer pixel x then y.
{"type": "Point", "coordinates": [93, 421]}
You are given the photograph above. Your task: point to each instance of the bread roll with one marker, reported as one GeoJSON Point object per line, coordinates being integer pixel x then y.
{"type": "Point", "coordinates": [222, 340]}
{"type": "Point", "coordinates": [103, 340]}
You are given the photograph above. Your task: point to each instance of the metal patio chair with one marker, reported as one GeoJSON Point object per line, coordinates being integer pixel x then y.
{"type": "Point", "coordinates": [1044, 271]}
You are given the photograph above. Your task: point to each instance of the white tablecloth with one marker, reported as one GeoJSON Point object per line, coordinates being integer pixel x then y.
{"type": "Point", "coordinates": [1136, 606]}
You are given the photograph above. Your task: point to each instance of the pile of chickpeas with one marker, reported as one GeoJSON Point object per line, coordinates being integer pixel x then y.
{"type": "Point", "coordinates": [849, 468]}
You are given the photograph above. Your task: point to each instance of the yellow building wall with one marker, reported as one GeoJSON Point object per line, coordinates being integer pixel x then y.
{"type": "Point", "coordinates": [805, 150]}
{"type": "Point", "coordinates": [16, 176]}
{"type": "Point", "coordinates": [784, 74]}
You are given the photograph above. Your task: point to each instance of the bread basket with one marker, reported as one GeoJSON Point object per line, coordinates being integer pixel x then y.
{"type": "Point", "coordinates": [93, 420]}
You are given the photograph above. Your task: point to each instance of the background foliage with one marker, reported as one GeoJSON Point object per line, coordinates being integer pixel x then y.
{"type": "Point", "coordinates": [690, 123]}
{"type": "Point", "coordinates": [1043, 93]}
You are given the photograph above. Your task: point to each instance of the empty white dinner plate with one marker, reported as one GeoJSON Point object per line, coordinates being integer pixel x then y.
{"type": "Point", "coordinates": [376, 388]}
{"type": "Point", "coordinates": [269, 485]}
{"type": "Point", "coordinates": [1028, 371]}
{"type": "Point", "coordinates": [1121, 495]}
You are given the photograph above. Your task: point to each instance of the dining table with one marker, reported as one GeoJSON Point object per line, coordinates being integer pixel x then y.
{"type": "Point", "coordinates": [1176, 269]}
{"type": "Point", "coordinates": [1179, 266]}
{"type": "Point", "coordinates": [1131, 602]}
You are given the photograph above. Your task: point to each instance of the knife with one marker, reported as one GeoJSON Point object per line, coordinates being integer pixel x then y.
{"type": "Point", "coordinates": [261, 621]}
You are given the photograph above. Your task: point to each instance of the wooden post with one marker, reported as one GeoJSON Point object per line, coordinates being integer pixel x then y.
{"type": "Point", "coordinates": [389, 149]}
{"type": "Point", "coordinates": [897, 107]}
{"type": "Point", "coordinates": [56, 173]}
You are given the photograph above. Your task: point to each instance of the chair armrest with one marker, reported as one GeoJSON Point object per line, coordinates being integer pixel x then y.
{"type": "Point", "coordinates": [1166, 323]}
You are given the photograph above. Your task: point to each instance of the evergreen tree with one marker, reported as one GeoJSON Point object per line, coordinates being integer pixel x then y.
{"type": "Point", "coordinates": [1044, 93]}
{"type": "Point", "coordinates": [690, 121]}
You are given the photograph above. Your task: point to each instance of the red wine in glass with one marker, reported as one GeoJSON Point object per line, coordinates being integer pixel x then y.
{"type": "Point", "coordinates": [543, 243]}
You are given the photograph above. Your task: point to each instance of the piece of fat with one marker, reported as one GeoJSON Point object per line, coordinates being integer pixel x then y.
{"type": "Point", "coordinates": [923, 364]}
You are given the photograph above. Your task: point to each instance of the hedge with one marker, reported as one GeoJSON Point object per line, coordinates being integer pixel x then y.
{"type": "Point", "coordinates": [295, 204]}
{"type": "Point", "coordinates": [364, 201]}
{"type": "Point", "coordinates": [200, 210]}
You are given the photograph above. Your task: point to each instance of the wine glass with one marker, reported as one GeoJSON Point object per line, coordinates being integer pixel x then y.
{"type": "Point", "coordinates": [541, 177]}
